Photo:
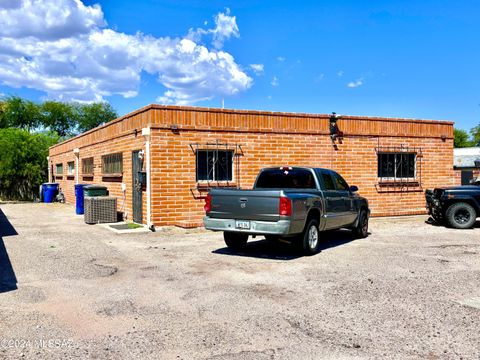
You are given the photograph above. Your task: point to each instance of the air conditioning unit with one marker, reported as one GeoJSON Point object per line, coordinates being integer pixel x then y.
{"type": "Point", "coordinates": [100, 209]}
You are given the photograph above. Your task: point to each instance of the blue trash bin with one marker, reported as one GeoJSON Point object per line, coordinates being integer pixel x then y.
{"type": "Point", "coordinates": [79, 198]}
{"type": "Point", "coordinates": [50, 190]}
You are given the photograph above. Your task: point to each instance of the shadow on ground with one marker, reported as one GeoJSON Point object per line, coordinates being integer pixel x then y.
{"type": "Point", "coordinates": [8, 280]}
{"type": "Point", "coordinates": [277, 250]}
{"type": "Point", "coordinates": [433, 222]}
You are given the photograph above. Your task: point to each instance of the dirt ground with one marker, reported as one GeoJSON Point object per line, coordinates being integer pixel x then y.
{"type": "Point", "coordinates": [70, 290]}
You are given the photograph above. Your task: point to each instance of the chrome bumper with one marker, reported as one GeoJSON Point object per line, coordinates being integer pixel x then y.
{"type": "Point", "coordinates": [281, 227]}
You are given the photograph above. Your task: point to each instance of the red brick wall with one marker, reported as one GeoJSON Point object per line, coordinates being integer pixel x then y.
{"type": "Point", "coordinates": [267, 139]}
{"type": "Point", "coordinates": [356, 159]}
{"type": "Point", "coordinates": [125, 144]}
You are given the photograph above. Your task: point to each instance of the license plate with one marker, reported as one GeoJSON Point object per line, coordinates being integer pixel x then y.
{"type": "Point", "coordinates": [242, 224]}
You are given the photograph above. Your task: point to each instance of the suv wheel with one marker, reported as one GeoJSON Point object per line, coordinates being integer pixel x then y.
{"type": "Point", "coordinates": [235, 241]}
{"type": "Point", "coordinates": [461, 216]}
{"type": "Point", "coordinates": [311, 238]}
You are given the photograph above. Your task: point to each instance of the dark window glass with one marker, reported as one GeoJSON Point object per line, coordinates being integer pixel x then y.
{"type": "Point", "coordinates": [223, 166]}
{"type": "Point", "coordinates": [340, 183]}
{"type": "Point", "coordinates": [328, 181]}
{"type": "Point", "coordinates": [405, 165]}
{"type": "Point", "coordinates": [204, 165]}
{"type": "Point", "coordinates": [396, 165]}
{"type": "Point", "coordinates": [214, 165]}
{"type": "Point", "coordinates": [87, 166]}
{"type": "Point", "coordinates": [112, 164]}
{"type": "Point", "coordinates": [286, 179]}
{"type": "Point", "coordinates": [59, 169]}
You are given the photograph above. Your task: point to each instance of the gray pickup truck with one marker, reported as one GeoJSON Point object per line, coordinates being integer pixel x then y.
{"type": "Point", "coordinates": [287, 202]}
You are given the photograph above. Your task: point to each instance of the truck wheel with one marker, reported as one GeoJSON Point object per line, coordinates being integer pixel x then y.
{"type": "Point", "coordinates": [234, 240]}
{"type": "Point", "coordinates": [311, 238]}
{"type": "Point", "coordinates": [461, 216]}
{"type": "Point", "coordinates": [361, 230]}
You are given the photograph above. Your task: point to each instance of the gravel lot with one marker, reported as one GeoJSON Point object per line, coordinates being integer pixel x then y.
{"type": "Point", "coordinates": [409, 291]}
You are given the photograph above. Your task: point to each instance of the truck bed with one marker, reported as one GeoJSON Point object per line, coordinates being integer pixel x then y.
{"type": "Point", "coordinates": [262, 205]}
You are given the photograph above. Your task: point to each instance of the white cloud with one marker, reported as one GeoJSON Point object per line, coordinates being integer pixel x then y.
{"type": "Point", "coordinates": [280, 59]}
{"type": "Point", "coordinates": [355, 84]}
{"type": "Point", "coordinates": [274, 81]}
{"type": "Point", "coordinates": [257, 68]}
{"type": "Point", "coordinates": [48, 20]}
{"type": "Point", "coordinates": [64, 48]}
{"type": "Point", "coordinates": [225, 28]}
{"type": "Point", "coordinates": [340, 73]}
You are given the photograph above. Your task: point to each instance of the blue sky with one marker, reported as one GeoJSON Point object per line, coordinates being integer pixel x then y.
{"type": "Point", "coordinates": [416, 59]}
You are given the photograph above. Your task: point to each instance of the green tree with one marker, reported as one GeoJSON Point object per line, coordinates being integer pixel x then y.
{"type": "Point", "coordinates": [476, 135]}
{"type": "Point", "coordinates": [19, 113]}
{"type": "Point", "coordinates": [461, 139]}
{"type": "Point", "coordinates": [60, 117]}
{"type": "Point", "coordinates": [24, 149]}
{"type": "Point", "coordinates": [23, 162]}
{"type": "Point", "coordinates": [66, 119]}
{"type": "Point", "coordinates": [93, 115]}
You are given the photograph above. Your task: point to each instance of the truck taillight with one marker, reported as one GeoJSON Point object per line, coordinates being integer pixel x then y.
{"type": "Point", "coordinates": [285, 206]}
{"type": "Point", "coordinates": [208, 203]}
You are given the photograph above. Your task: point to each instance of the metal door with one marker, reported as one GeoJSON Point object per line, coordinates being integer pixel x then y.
{"type": "Point", "coordinates": [137, 164]}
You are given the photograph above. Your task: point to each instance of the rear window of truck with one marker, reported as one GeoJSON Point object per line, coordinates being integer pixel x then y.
{"type": "Point", "coordinates": [285, 179]}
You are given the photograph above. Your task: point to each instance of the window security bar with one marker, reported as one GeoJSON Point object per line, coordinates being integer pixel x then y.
{"type": "Point", "coordinates": [217, 164]}
{"type": "Point", "coordinates": [400, 167]}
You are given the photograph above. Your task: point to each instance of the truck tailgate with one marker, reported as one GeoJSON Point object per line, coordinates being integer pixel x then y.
{"type": "Point", "coordinates": [260, 205]}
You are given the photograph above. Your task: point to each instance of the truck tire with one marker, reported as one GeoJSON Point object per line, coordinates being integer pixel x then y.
{"type": "Point", "coordinates": [461, 215]}
{"type": "Point", "coordinates": [361, 230]}
{"type": "Point", "coordinates": [311, 238]}
{"type": "Point", "coordinates": [235, 241]}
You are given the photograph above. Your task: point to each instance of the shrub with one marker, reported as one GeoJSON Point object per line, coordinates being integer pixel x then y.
{"type": "Point", "coordinates": [23, 162]}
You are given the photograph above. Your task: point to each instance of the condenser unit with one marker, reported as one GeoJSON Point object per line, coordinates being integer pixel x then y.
{"type": "Point", "coordinates": [100, 209]}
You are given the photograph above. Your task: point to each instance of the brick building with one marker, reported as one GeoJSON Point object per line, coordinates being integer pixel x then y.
{"type": "Point", "coordinates": [183, 151]}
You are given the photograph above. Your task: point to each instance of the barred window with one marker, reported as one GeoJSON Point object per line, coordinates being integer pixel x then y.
{"type": "Point", "coordinates": [59, 169]}
{"type": "Point", "coordinates": [397, 165]}
{"type": "Point", "coordinates": [87, 166]}
{"type": "Point", "coordinates": [112, 164]}
{"type": "Point", "coordinates": [71, 168]}
{"type": "Point", "coordinates": [214, 165]}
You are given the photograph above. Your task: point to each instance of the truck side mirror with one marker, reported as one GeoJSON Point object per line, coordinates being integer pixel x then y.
{"type": "Point", "coordinates": [353, 188]}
